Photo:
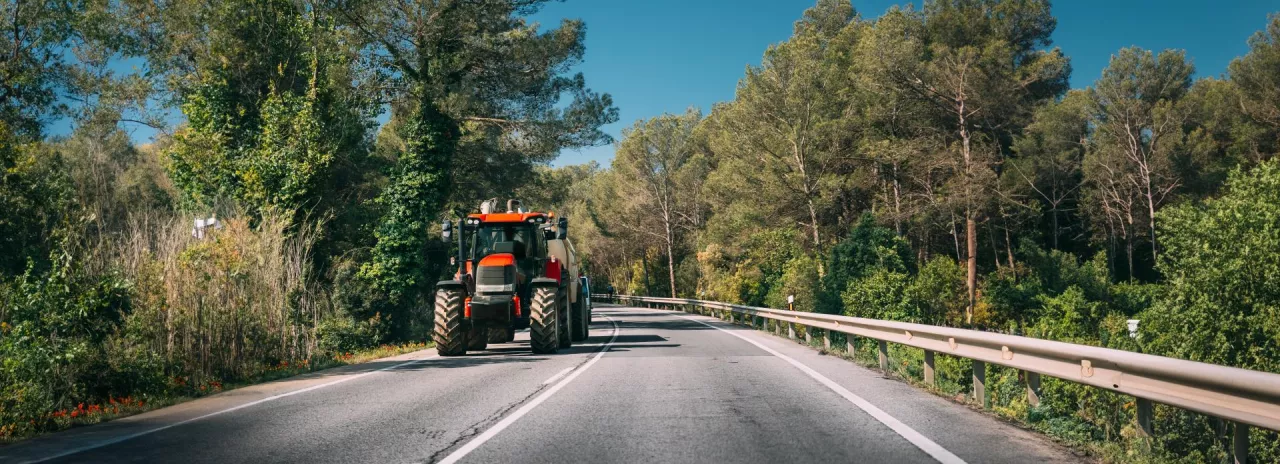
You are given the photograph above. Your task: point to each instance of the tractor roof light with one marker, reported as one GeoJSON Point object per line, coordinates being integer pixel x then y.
{"type": "Point", "coordinates": [473, 221]}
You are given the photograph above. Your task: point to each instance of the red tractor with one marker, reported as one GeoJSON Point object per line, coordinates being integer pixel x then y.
{"type": "Point", "coordinates": [516, 270]}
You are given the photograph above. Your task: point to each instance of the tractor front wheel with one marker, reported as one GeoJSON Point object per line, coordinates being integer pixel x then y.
{"type": "Point", "coordinates": [450, 338]}
{"type": "Point", "coordinates": [544, 321]}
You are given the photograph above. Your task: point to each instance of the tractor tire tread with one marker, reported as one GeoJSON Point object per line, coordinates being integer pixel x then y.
{"type": "Point", "coordinates": [450, 338]}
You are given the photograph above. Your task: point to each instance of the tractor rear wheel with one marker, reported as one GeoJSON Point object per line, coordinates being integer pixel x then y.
{"type": "Point", "coordinates": [477, 339]}
{"type": "Point", "coordinates": [581, 328]}
{"type": "Point", "coordinates": [450, 338]}
{"type": "Point", "coordinates": [566, 319]}
{"type": "Point", "coordinates": [544, 321]}
{"type": "Point", "coordinates": [498, 335]}
{"type": "Point", "coordinates": [511, 335]}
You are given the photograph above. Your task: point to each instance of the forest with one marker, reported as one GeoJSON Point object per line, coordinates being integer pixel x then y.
{"type": "Point", "coordinates": [932, 165]}
{"type": "Point", "coordinates": [927, 164]}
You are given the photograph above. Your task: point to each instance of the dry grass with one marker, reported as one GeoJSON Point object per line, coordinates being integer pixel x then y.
{"type": "Point", "coordinates": [224, 306]}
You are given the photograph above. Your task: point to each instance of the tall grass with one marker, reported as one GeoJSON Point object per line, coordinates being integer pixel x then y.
{"type": "Point", "coordinates": [225, 306]}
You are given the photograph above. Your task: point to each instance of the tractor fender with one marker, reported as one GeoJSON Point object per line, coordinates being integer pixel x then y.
{"type": "Point", "coordinates": [545, 282]}
{"type": "Point", "coordinates": [450, 284]}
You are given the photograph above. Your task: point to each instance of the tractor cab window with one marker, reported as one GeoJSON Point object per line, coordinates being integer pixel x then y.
{"type": "Point", "coordinates": [490, 234]}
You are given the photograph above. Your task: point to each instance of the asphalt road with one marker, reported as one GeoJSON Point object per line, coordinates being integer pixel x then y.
{"type": "Point", "coordinates": [649, 386]}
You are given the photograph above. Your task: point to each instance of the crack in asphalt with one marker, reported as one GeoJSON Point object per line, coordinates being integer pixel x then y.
{"type": "Point", "coordinates": [484, 424]}
{"type": "Point", "coordinates": [480, 426]}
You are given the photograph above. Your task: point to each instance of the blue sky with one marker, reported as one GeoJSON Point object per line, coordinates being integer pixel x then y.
{"type": "Point", "coordinates": [657, 56]}
{"type": "Point", "coordinates": [663, 56]}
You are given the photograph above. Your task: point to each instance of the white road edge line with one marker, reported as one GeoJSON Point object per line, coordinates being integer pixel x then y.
{"type": "Point", "coordinates": [515, 416]}
{"type": "Point", "coordinates": [558, 375]}
{"type": "Point", "coordinates": [113, 441]}
{"type": "Point", "coordinates": [924, 443]}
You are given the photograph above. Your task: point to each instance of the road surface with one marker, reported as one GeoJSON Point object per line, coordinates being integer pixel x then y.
{"type": "Point", "coordinates": [648, 386]}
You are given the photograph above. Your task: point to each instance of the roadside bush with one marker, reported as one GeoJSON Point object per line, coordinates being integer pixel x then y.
{"type": "Point", "coordinates": [939, 292]}
{"type": "Point", "coordinates": [52, 350]}
{"type": "Point", "coordinates": [880, 295]}
{"type": "Point", "coordinates": [336, 335]}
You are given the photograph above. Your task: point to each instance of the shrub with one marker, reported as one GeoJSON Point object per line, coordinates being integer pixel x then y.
{"type": "Point", "coordinates": [337, 335]}
{"type": "Point", "coordinates": [52, 353]}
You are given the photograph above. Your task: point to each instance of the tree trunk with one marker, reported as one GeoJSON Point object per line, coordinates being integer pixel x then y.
{"type": "Point", "coordinates": [813, 217]}
{"type": "Point", "coordinates": [1008, 245]}
{"type": "Point", "coordinates": [1151, 211]}
{"type": "Point", "coordinates": [671, 260]}
{"type": "Point", "coordinates": [897, 201]}
{"type": "Point", "coordinates": [955, 237]}
{"type": "Point", "coordinates": [971, 232]}
{"type": "Point", "coordinates": [1055, 228]}
{"type": "Point", "coordinates": [1128, 248]}
{"type": "Point", "coordinates": [995, 248]}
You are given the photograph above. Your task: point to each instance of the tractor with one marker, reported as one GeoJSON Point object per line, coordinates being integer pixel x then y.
{"type": "Point", "coordinates": [515, 270]}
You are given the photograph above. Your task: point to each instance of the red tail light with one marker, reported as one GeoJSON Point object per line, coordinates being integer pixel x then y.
{"type": "Point", "coordinates": [467, 311]}
{"type": "Point", "coordinates": [517, 300]}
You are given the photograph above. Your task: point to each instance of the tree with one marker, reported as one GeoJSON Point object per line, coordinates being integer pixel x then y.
{"type": "Point", "coordinates": [268, 106]}
{"type": "Point", "coordinates": [1258, 76]}
{"type": "Point", "coordinates": [1048, 158]}
{"type": "Point", "coordinates": [983, 66]}
{"type": "Point", "coordinates": [468, 80]}
{"type": "Point", "coordinates": [1139, 137]}
{"type": "Point", "coordinates": [780, 137]}
{"type": "Point", "coordinates": [661, 172]}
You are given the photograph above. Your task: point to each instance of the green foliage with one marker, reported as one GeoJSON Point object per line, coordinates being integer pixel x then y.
{"type": "Point", "coordinates": [399, 268]}
{"type": "Point", "coordinates": [1222, 259]}
{"type": "Point", "coordinates": [53, 343]}
{"type": "Point", "coordinates": [799, 279]}
{"type": "Point", "coordinates": [267, 109]}
{"type": "Point", "coordinates": [938, 291]}
{"type": "Point", "coordinates": [1255, 74]}
{"type": "Point", "coordinates": [338, 335]}
{"type": "Point", "coordinates": [882, 294]}
{"type": "Point", "coordinates": [867, 249]}
{"type": "Point", "coordinates": [35, 195]}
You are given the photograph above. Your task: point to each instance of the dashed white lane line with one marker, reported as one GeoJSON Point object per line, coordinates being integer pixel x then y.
{"type": "Point", "coordinates": [115, 440]}
{"type": "Point", "coordinates": [920, 441]}
{"type": "Point", "coordinates": [515, 416]}
{"type": "Point", "coordinates": [558, 375]}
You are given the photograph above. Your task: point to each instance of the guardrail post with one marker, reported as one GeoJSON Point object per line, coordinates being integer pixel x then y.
{"type": "Point", "coordinates": [1033, 390]}
{"type": "Point", "coordinates": [928, 367]}
{"type": "Point", "coordinates": [791, 331]}
{"type": "Point", "coordinates": [849, 346]}
{"type": "Point", "coordinates": [1144, 416]}
{"type": "Point", "coordinates": [1240, 444]}
{"type": "Point", "coordinates": [808, 335]}
{"type": "Point", "coordinates": [980, 383]}
{"type": "Point", "coordinates": [884, 356]}
{"type": "Point", "coordinates": [826, 340]}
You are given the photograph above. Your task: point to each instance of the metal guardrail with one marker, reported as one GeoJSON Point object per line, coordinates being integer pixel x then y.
{"type": "Point", "coordinates": [1249, 398]}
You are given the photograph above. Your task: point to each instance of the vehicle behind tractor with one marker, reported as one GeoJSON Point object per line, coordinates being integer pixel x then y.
{"type": "Point", "coordinates": [515, 269]}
